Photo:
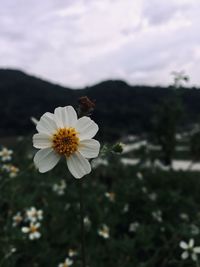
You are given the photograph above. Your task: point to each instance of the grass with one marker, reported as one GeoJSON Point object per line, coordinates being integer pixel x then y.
{"type": "Point", "coordinates": [137, 198]}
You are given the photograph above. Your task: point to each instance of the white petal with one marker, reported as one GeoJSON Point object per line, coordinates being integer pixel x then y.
{"type": "Point", "coordinates": [32, 236]}
{"type": "Point", "coordinates": [191, 243]}
{"type": "Point", "coordinates": [89, 148]}
{"type": "Point", "coordinates": [25, 229]}
{"type": "Point", "coordinates": [197, 249]}
{"type": "Point", "coordinates": [68, 262]}
{"type": "Point", "coordinates": [78, 165]}
{"type": "Point", "coordinates": [194, 256]}
{"type": "Point", "coordinates": [47, 124]}
{"type": "Point", "coordinates": [65, 117]}
{"type": "Point", "coordinates": [41, 140]}
{"type": "Point", "coordinates": [37, 234]}
{"type": "Point", "coordinates": [46, 159]}
{"type": "Point", "coordinates": [184, 255]}
{"type": "Point", "coordinates": [86, 127]}
{"type": "Point", "coordinates": [183, 245]}
{"type": "Point", "coordinates": [37, 225]}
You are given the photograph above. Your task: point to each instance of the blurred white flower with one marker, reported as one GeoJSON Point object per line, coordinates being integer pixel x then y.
{"type": "Point", "coordinates": [126, 208]}
{"type": "Point", "coordinates": [157, 215]}
{"type": "Point", "coordinates": [104, 231]}
{"type": "Point", "coordinates": [68, 262]}
{"type": "Point", "coordinates": [72, 253]}
{"type": "Point", "coordinates": [32, 230]}
{"type": "Point", "coordinates": [67, 206]}
{"type": "Point", "coordinates": [152, 196]}
{"type": "Point", "coordinates": [144, 190]}
{"type": "Point", "coordinates": [189, 250]}
{"type": "Point", "coordinates": [10, 169]}
{"type": "Point", "coordinates": [34, 215]}
{"type": "Point", "coordinates": [13, 171]}
{"type": "Point", "coordinates": [62, 134]}
{"type": "Point", "coordinates": [139, 176]}
{"type": "Point", "coordinates": [5, 154]}
{"type": "Point", "coordinates": [87, 221]}
{"type": "Point", "coordinates": [17, 219]}
{"type": "Point", "coordinates": [59, 188]}
{"type": "Point", "coordinates": [133, 226]}
{"type": "Point", "coordinates": [110, 196]}
{"type": "Point", "coordinates": [194, 229]}
{"type": "Point", "coordinates": [98, 162]}
{"type": "Point", "coordinates": [184, 216]}
{"type": "Point", "coordinates": [5, 167]}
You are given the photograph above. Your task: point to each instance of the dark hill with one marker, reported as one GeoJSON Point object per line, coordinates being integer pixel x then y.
{"type": "Point", "coordinates": [121, 108]}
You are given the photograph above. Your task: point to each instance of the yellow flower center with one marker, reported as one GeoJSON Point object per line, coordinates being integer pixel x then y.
{"type": "Point", "coordinates": [65, 141]}
{"type": "Point", "coordinates": [33, 229]}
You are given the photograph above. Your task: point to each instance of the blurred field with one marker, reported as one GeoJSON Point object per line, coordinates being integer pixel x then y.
{"type": "Point", "coordinates": [134, 216]}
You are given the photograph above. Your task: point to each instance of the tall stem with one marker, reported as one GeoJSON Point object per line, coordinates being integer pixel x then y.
{"type": "Point", "coordinates": [82, 223]}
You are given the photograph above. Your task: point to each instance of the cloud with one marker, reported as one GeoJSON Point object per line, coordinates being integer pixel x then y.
{"type": "Point", "coordinates": [81, 42]}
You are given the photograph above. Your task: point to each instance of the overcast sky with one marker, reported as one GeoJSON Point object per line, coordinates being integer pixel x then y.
{"type": "Point", "coordinates": [81, 42]}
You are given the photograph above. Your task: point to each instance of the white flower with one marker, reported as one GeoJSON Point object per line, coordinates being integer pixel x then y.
{"type": "Point", "coordinates": [67, 206]}
{"type": "Point", "coordinates": [104, 231]}
{"type": "Point", "coordinates": [144, 189]}
{"type": "Point", "coordinates": [152, 196]}
{"type": "Point", "coordinates": [87, 222]}
{"type": "Point", "coordinates": [110, 196]}
{"type": "Point", "coordinates": [194, 229]}
{"type": "Point", "coordinates": [60, 187]}
{"type": "Point", "coordinates": [5, 154]}
{"type": "Point", "coordinates": [139, 176]}
{"type": "Point", "coordinates": [72, 252]}
{"type": "Point", "coordinates": [68, 262]}
{"type": "Point", "coordinates": [17, 219]}
{"type": "Point", "coordinates": [157, 215]}
{"type": "Point", "coordinates": [189, 250]}
{"type": "Point", "coordinates": [184, 216]}
{"type": "Point", "coordinates": [126, 208]}
{"type": "Point", "coordinates": [33, 214]}
{"type": "Point", "coordinates": [13, 171]}
{"type": "Point", "coordinates": [32, 230]}
{"type": "Point", "coordinates": [134, 226]}
{"type": "Point", "coordinates": [62, 134]}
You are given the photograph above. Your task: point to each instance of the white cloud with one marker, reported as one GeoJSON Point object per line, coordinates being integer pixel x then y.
{"type": "Point", "coordinates": [81, 42]}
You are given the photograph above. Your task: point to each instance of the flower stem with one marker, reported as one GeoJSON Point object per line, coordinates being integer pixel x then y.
{"type": "Point", "coordinates": [82, 223]}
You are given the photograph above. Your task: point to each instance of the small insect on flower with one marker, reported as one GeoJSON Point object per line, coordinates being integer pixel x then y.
{"type": "Point", "coordinates": [189, 250]}
{"type": "Point", "coordinates": [68, 262]}
{"type": "Point", "coordinates": [104, 231]}
{"type": "Point", "coordinates": [5, 154]}
{"type": "Point", "coordinates": [32, 230]}
{"type": "Point", "coordinates": [62, 134]}
{"type": "Point", "coordinates": [34, 215]}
